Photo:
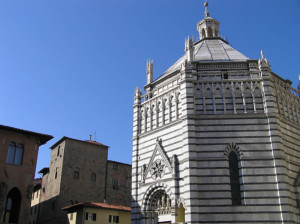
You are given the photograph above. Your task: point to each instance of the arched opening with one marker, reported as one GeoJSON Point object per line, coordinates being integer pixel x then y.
{"type": "Point", "coordinates": [209, 32]}
{"type": "Point", "coordinates": [203, 33]}
{"type": "Point", "coordinates": [216, 33]}
{"type": "Point", "coordinates": [234, 178]}
{"type": "Point", "coordinates": [12, 206]}
{"type": "Point", "coordinates": [180, 214]}
{"type": "Point", "coordinates": [55, 177]}
{"type": "Point", "coordinates": [58, 151]}
{"type": "Point", "coordinates": [239, 104]}
{"type": "Point", "coordinates": [159, 208]}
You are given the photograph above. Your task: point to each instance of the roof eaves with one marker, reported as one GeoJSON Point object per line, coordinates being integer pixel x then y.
{"type": "Point", "coordinates": [87, 141]}
{"type": "Point", "coordinates": [44, 138]}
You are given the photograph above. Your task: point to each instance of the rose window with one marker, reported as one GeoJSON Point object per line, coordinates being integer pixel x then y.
{"type": "Point", "coordinates": [157, 169]}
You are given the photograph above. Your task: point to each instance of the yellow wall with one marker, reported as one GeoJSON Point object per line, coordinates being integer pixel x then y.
{"type": "Point", "coordinates": [73, 221]}
{"type": "Point", "coordinates": [35, 198]}
{"type": "Point", "coordinates": [102, 216]}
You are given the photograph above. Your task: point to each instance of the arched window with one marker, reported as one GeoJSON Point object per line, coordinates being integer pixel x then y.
{"type": "Point", "coordinates": [181, 214]}
{"type": "Point", "coordinates": [12, 206]}
{"type": "Point", "coordinates": [209, 32]}
{"type": "Point", "coordinates": [15, 154]}
{"type": "Point", "coordinates": [203, 33]}
{"type": "Point", "coordinates": [58, 151]}
{"type": "Point", "coordinates": [93, 177]}
{"type": "Point", "coordinates": [234, 179]}
{"type": "Point", "coordinates": [76, 173]}
{"type": "Point", "coordinates": [56, 172]}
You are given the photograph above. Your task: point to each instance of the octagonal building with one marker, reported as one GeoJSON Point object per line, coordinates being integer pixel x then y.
{"type": "Point", "coordinates": [216, 139]}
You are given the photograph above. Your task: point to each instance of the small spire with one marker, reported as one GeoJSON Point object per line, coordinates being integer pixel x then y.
{"type": "Point", "coordinates": [149, 71]}
{"type": "Point", "coordinates": [262, 54]}
{"type": "Point", "coordinates": [90, 137]}
{"type": "Point", "coordinates": [206, 9]}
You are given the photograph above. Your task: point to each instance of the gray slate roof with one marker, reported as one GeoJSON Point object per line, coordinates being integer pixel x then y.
{"type": "Point", "coordinates": [210, 50]}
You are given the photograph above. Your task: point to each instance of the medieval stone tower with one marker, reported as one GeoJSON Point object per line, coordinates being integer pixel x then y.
{"type": "Point", "coordinates": [216, 139]}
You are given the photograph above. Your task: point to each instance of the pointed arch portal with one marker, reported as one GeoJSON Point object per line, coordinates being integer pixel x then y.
{"type": "Point", "coordinates": [158, 206]}
{"type": "Point", "coordinates": [12, 206]}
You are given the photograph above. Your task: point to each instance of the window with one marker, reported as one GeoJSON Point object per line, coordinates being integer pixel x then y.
{"type": "Point", "coordinates": [76, 174]}
{"type": "Point", "coordinates": [234, 179]}
{"type": "Point", "coordinates": [115, 184]}
{"type": "Point", "coordinates": [90, 216]}
{"type": "Point", "coordinates": [93, 177]}
{"type": "Point", "coordinates": [55, 173]}
{"type": "Point", "coordinates": [113, 219]}
{"type": "Point", "coordinates": [115, 166]}
{"type": "Point", "coordinates": [15, 154]}
{"type": "Point", "coordinates": [12, 206]}
{"type": "Point", "coordinates": [225, 75]}
{"type": "Point", "coordinates": [53, 205]}
{"type": "Point", "coordinates": [58, 151]}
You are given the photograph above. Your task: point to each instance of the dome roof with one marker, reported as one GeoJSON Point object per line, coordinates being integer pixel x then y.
{"type": "Point", "coordinates": [210, 50]}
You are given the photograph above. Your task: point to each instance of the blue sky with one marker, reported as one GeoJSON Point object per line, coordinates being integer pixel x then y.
{"type": "Point", "coordinates": [70, 67]}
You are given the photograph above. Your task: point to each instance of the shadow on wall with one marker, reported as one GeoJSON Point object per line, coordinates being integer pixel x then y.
{"type": "Point", "coordinates": [50, 212]}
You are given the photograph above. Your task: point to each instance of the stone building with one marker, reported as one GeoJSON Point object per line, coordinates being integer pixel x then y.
{"type": "Point", "coordinates": [18, 156]}
{"type": "Point", "coordinates": [79, 171]}
{"type": "Point", "coordinates": [216, 139]}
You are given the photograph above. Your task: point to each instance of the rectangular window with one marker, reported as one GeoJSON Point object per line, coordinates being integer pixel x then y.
{"type": "Point", "coordinates": [113, 219]}
{"type": "Point", "coordinates": [115, 166]}
{"type": "Point", "coordinates": [15, 154]}
{"type": "Point", "coordinates": [53, 205]}
{"type": "Point", "coordinates": [90, 216]}
{"type": "Point", "coordinates": [116, 184]}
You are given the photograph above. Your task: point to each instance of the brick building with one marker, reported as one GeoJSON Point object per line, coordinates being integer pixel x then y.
{"type": "Point", "coordinates": [18, 156]}
{"type": "Point", "coordinates": [79, 171]}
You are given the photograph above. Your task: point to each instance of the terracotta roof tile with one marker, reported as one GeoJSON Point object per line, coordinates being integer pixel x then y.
{"type": "Point", "coordinates": [99, 205]}
{"type": "Point", "coordinates": [44, 138]}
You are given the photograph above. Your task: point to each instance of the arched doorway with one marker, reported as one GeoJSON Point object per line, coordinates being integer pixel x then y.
{"type": "Point", "coordinates": [12, 206]}
{"type": "Point", "coordinates": [180, 214]}
{"type": "Point", "coordinates": [159, 209]}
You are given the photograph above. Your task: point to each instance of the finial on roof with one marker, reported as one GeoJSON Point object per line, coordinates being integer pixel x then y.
{"type": "Point", "coordinates": [262, 54]}
{"type": "Point", "coordinates": [149, 71]}
{"type": "Point", "coordinates": [206, 9]}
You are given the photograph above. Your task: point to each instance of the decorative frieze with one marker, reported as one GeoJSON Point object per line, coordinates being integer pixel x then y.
{"type": "Point", "coordinates": [160, 110]}
{"type": "Point", "coordinates": [228, 97]}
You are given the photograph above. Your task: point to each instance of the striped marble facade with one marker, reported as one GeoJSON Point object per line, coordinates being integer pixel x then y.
{"type": "Point", "coordinates": [188, 123]}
